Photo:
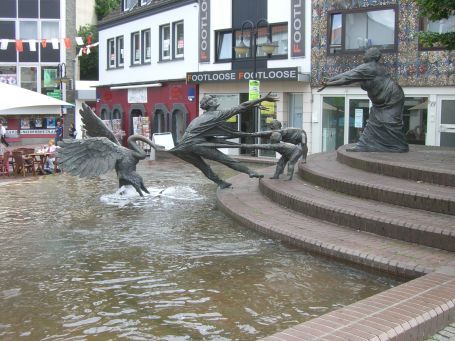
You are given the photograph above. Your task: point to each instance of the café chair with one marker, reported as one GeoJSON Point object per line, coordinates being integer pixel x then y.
{"type": "Point", "coordinates": [4, 164]}
{"type": "Point", "coordinates": [22, 165]}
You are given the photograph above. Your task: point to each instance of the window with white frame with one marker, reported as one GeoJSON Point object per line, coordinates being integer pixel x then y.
{"type": "Point", "coordinates": [359, 29]}
{"type": "Point", "coordinates": [49, 29]}
{"type": "Point", "coordinates": [135, 48]}
{"type": "Point", "coordinates": [178, 37]}
{"type": "Point", "coordinates": [29, 30]}
{"type": "Point", "coordinates": [146, 47]}
{"type": "Point", "coordinates": [120, 49]}
{"type": "Point", "coordinates": [129, 4]}
{"type": "Point", "coordinates": [165, 42]}
{"type": "Point", "coordinates": [111, 54]}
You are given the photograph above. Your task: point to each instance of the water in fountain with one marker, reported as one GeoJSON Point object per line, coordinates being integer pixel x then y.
{"type": "Point", "coordinates": [82, 259]}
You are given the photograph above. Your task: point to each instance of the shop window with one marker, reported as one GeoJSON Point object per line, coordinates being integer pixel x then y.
{"type": "Point", "coordinates": [352, 31]}
{"type": "Point", "coordinates": [146, 47]}
{"type": "Point", "coordinates": [415, 119]}
{"type": "Point", "coordinates": [120, 49]}
{"type": "Point", "coordinates": [104, 115]}
{"type": "Point", "coordinates": [111, 54]}
{"type": "Point", "coordinates": [135, 48]}
{"type": "Point", "coordinates": [178, 37]}
{"type": "Point", "coordinates": [29, 78]}
{"type": "Point", "coordinates": [159, 122]}
{"type": "Point", "coordinates": [165, 46]}
{"type": "Point", "coordinates": [8, 75]}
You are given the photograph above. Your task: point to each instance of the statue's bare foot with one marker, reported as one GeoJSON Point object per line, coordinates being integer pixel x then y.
{"type": "Point", "coordinates": [273, 177]}
{"type": "Point", "coordinates": [224, 184]}
{"type": "Point", "coordinates": [356, 149]}
{"type": "Point", "coordinates": [255, 175]}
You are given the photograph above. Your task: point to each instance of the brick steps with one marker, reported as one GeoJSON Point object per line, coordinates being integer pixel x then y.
{"type": "Point", "coordinates": [411, 225]}
{"type": "Point", "coordinates": [324, 170]}
{"type": "Point", "coordinates": [245, 204]}
{"type": "Point", "coordinates": [415, 310]}
{"type": "Point", "coordinates": [434, 165]}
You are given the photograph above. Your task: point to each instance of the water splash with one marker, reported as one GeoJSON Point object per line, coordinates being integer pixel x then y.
{"type": "Point", "coordinates": [127, 195]}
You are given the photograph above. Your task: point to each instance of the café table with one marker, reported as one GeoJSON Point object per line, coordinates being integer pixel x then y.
{"type": "Point", "coordinates": [39, 160]}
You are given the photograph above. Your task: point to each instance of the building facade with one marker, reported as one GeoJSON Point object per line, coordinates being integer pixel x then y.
{"type": "Point", "coordinates": [225, 73]}
{"type": "Point", "coordinates": [145, 50]}
{"type": "Point", "coordinates": [341, 32]}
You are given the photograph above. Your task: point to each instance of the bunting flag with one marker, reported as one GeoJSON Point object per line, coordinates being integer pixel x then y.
{"type": "Point", "coordinates": [56, 43]}
{"type": "Point", "coordinates": [19, 46]}
{"type": "Point", "coordinates": [4, 44]}
{"type": "Point", "coordinates": [32, 45]}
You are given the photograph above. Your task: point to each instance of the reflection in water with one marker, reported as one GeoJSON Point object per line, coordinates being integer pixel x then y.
{"type": "Point", "coordinates": [78, 262]}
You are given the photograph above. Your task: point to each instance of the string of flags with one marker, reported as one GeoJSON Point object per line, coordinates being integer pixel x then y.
{"type": "Point", "coordinates": [32, 43]}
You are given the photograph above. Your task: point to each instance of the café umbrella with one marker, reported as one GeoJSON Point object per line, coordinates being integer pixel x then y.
{"type": "Point", "coordinates": [15, 100]}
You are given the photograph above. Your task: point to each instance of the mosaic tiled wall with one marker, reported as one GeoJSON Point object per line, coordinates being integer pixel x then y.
{"type": "Point", "coordinates": [409, 66]}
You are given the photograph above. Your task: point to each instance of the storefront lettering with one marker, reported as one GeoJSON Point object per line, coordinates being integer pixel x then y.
{"type": "Point", "coordinates": [297, 29]}
{"type": "Point", "coordinates": [204, 27]}
{"type": "Point", "coordinates": [290, 74]}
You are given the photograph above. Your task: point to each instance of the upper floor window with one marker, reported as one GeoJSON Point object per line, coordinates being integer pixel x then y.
{"type": "Point", "coordinates": [278, 33]}
{"type": "Point", "coordinates": [115, 52]}
{"type": "Point", "coordinates": [129, 4]}
{"type": "Point", "coordinates": [351, 31]}
{"type": "Point", "coordinates": [146, 50]}
{"type": "Point", "coordinates": [165, 43]}
{"type": "Point", "coordinates": [120, 49]}
{"type": "Point", "coordinates": [112, 59]}
{"type": "Point", "coordinates": [440, 26]}
{"type": "Point", "coordinates": [178, 38]}
{"type": "Point", "coordinates": [135, 48]}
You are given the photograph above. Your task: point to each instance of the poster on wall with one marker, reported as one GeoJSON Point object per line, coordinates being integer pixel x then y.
{"type": "Point", "coordinates": [358, 118]}
{"type": "Point", "coordinates": [49, 75]}
{"type": "Point", "coordinates": [50, 122]}
{"type": "Point", "coordinates": [8, 79]}
{"type": "Point", "coordinates": [38, 123]}
{"type": "Point", "coordinates": [25, 123]}
{"type": "Point", "coordinates": [138, 95]}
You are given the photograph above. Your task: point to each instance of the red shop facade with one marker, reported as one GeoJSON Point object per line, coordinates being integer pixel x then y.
{"type": "Point", "coordinates": [150, 108]}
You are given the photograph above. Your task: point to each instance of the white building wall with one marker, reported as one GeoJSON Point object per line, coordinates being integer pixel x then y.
{"type": "Point", "coordinates": [157, 70]}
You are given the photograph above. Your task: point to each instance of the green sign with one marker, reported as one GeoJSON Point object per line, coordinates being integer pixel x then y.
{"type": "Point", "coordinates": [254, 90]}
{"type": "Point", "coordinates": [55, 94]}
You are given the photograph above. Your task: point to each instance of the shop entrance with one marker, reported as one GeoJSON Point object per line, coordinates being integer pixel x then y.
{"type": "Point", "coordinates": [447, 118]}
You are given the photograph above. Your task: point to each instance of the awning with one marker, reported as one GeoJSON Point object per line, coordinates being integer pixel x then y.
{"type": "Point", "coordinates": [15, 100]}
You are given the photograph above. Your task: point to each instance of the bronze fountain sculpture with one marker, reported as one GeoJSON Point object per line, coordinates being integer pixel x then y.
{"type": "Point", "coordinates": [102, 152]}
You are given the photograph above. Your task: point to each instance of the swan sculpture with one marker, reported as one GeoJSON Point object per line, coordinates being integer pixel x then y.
{"type": "Point", "coordinates": [102, 152]}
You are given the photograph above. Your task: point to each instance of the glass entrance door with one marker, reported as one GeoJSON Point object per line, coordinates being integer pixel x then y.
{"type": "Point", "coordinates": [332, 123]}
{"type": "Point", "coordinates": [359, 109]}
{"type": "Point", "coordinates": [447, 119]}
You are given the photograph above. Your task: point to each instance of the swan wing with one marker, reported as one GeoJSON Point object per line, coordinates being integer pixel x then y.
{"type": "Point", "coordinates": [94, 126]}
{"type": "Point", "coordinates": [89, 157]}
